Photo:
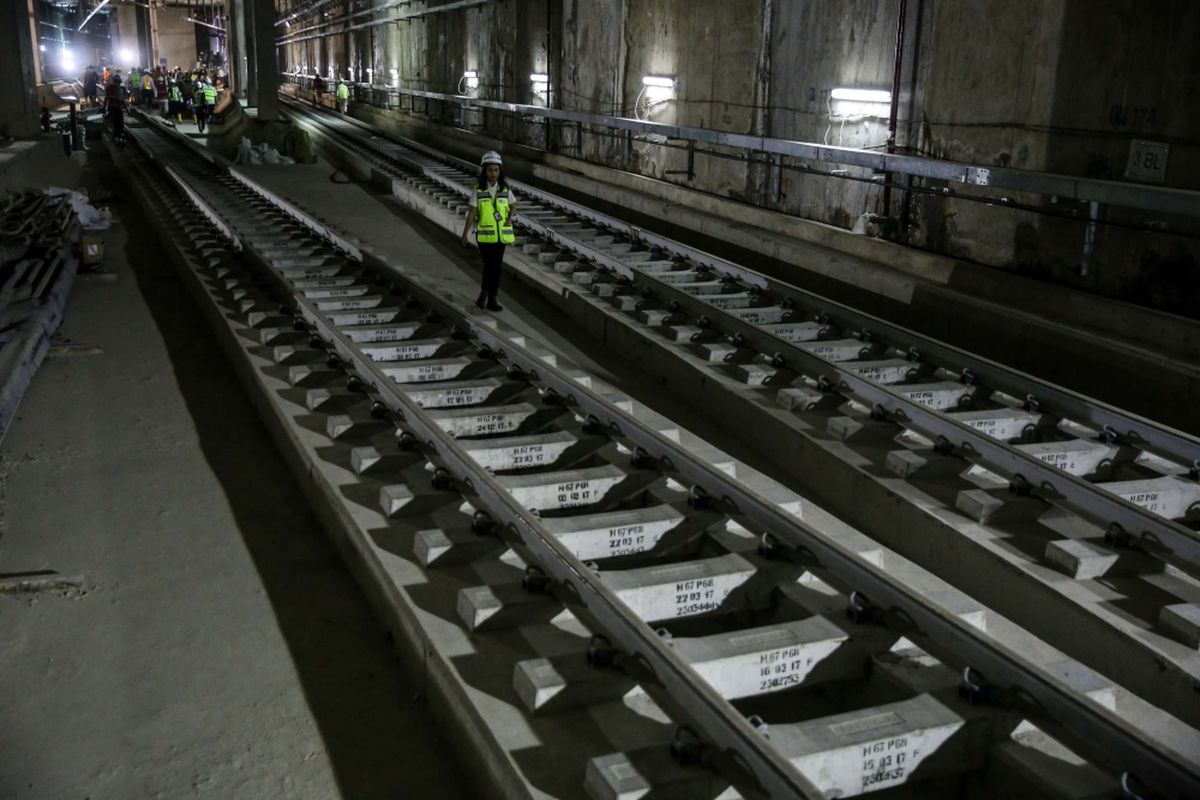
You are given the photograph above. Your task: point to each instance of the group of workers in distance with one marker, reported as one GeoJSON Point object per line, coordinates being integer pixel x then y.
{"type": "Point", "coordinates": [175, 93]}
{"type": "Point", "coordinates": [341, 92]}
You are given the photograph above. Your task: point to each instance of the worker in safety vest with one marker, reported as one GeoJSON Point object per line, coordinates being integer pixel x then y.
{"type": "Point", "coordinates": [491, 214]}
{"type": "Point", "coordinates": [147, 89]}
{"type": "Point", "coordinates": [343, 95]}
{"type": "Point", "coordinates": [206, 102]}
{"type": "Point", "coordinates": [210, 96]}
{"type": "Point", "coordinates": [175, 96]}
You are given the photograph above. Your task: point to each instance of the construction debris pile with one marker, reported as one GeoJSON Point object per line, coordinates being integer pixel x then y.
{"type": "Point", "coordinates": [40, 233]}
{"type": "Point", "coordinates": [262, 153]}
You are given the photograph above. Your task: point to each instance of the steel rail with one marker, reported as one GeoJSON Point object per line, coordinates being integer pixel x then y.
{"type": "Point", "coordinates": [1068, 187]}
{"type": "Point", "coordinates": [1127, 522]}
{"type": "Point", "coordinates": [1143, 433]}
{"type": "Point", "coordinates": [1098, 734]}
{"type": "Point", "coordinates": [689, 695]}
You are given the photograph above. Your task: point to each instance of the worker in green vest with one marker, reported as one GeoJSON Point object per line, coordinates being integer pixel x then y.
{"type": "Point", "coordinates": [206, 103]}
{"type": "Point", "coordinates": [343, 96]}
{"type": "Point", "coordinates": [175, 98]}
{"type": "Point", "coordinates": [491, 214]}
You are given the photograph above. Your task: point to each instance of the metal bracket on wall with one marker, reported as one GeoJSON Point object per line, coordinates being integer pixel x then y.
{"type": "Point", "coordinates": [691, 163]}
{"type": "Point", "coordinates": [1065, 187]}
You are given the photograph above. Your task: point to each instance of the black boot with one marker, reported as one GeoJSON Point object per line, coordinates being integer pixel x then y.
{"type": "Point", "coordinates": [492, 305]}
{"type": "Point", "coordinates": [483, 296]}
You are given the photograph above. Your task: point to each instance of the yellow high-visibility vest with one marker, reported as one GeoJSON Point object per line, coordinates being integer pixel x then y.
{"type": "Point", "coordinates": [491, 219]}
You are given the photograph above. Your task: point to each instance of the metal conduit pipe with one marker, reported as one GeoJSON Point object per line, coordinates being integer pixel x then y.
{"type": "Point", "coordinates": [897, 66]}
{"type": "Point", "coordinates": [308, 9]}
{"type": "Point", "coordinates": [398, 18]}
{"type": "Point", "coordinates": [1063, 187]}
{"type": "Point", "coordinates": [347, 17]}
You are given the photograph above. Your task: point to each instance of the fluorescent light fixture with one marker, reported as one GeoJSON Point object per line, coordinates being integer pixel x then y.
{"type": "Point", "coordinates": [862, 95]}
{"type": "Point", "coordinates": [471, 73]}
{"type": "Point", "coordinates": [658, 81]}
{"type": "Point", "coordinates": [205, 24]}
{"type": "Point", "coordinates": [539, 77]}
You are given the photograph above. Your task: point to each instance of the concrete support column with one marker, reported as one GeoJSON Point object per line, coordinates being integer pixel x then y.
{"type": "Point", "coordinates": [125, 38]}
{"type": "Point", "coordinates": [146, 52]}
{"type": "Point", "coordinates": [245, 10]}
{"type": "Point", "coordinates": [265, 66]}
{"type": "Point", "coordinates": [152, 36]}
{"type": "Point", "coordinates": [238, 58]}
{"type": "Point", "coordinates": [19, 109]}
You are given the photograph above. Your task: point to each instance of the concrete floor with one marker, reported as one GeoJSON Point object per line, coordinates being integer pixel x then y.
{"type": "Point", "coordinates": [217, 647]}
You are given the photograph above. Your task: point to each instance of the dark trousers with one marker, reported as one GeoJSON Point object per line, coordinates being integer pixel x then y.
{"type": "Point", "coordinates": [116, 115]}
{"type": "Point", "coordinates": [493, 257]}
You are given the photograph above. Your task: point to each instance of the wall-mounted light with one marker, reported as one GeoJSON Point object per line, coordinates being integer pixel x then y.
{"type": "Point", "coordinates": [126, 56]}
{"type": "Point", "coordinates": [395, 75]}
{"type": "Point", "coordinates": [656, 90]}
{"type": "Point", "coordinates": [862, 95]}
{"type": "Point", "coordinates": [471, 78]}
{"type": "Point", "coordinates": [68, 60]}
{"type": "Point", "coordinates": [42, 47]}
{"type": "Point", "coordinates": [858, 106]}
{"type": "Point", "coordinates": [541, 87]}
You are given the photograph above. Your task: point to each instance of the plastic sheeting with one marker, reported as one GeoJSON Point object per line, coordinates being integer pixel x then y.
{"type": "Point", "coordinates": [90, 217]}
{"type": "Point", "coordinates": [262, 153]}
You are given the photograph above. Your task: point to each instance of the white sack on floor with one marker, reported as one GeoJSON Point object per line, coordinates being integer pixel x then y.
{"type": "Point", "coordinates": [90, 217]}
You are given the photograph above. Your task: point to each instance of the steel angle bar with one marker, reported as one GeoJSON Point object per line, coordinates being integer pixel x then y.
{"type": "Point", "coordinates": [1068, 187]}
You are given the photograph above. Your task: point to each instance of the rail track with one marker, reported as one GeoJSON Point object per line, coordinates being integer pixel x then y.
{"type": "Point", "coordinates": [1057, 483]}
{"type": "Point", "coordinates": [715, 601]}
{"type": "Point", "coordinates": [1040, 437]}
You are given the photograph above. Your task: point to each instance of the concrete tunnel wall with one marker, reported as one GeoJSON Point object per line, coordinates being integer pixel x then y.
{"type": "Point", "coordinates": [176, 37]}
{"type": "Point", "coordinates": [1053, 85]}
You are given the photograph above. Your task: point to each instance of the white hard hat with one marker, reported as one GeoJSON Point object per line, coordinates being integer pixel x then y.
{"type": "Point", "coordinates": [490, 157]}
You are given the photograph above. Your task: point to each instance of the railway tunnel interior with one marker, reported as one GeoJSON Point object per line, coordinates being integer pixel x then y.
{"type": "Point", "coordinates": [831, 430]}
